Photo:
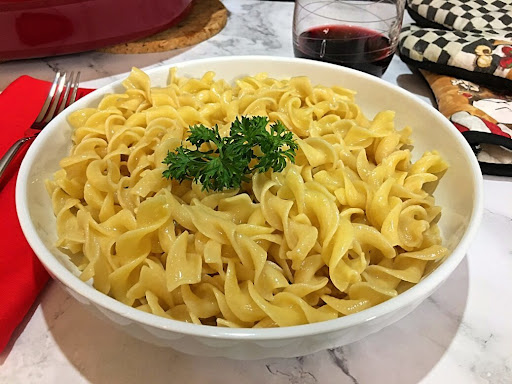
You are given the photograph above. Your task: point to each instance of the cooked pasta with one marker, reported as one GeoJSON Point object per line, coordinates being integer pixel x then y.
{"type": "Point", "coordinates": [349, 225]}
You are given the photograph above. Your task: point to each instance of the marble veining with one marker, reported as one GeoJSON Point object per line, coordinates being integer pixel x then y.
{"type": "Point", "coordinates": [339, 359]}
{"type": "Point", "coordinates": [293, 373]}
{"type": "Point", "coordinates": [461, 334]}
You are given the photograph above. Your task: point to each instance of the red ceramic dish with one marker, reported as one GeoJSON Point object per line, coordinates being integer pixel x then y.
{"type": "Point", "coordinates": [39, 28]}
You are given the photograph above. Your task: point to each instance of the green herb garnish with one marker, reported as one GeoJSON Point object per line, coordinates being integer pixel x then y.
{"type": "Point", "coordinates": [227, 161]}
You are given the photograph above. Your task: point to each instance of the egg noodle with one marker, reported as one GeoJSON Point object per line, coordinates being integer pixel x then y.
{"type": "Point", "coordinates": [348, 226]}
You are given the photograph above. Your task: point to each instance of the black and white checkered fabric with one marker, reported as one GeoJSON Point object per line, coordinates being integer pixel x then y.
{"type": "Point", "coordinates": [466, 15]}
{"type": "Point", "coordinates": [453, 49]}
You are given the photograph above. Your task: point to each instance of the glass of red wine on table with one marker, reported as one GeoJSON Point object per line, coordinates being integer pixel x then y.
{"type": "Point", "coordinates": [360, 34]}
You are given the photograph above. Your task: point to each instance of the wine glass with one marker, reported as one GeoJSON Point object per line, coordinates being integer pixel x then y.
{"type": "Point", "coordinates": [360, 34]}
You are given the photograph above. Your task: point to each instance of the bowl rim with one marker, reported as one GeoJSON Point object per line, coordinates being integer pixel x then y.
{"type": "Point", "coordinates": [409, 297]}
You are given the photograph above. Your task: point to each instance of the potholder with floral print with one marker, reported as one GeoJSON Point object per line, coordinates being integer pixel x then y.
{"type": "Point", "coordinates": [467, 39]}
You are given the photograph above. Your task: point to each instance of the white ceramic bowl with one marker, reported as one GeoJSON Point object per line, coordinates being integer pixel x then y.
{"type": "Point", "coordinates": [459, 193]}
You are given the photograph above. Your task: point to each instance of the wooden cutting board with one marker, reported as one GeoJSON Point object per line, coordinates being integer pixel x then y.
{"type": "Point", "coordinates": [206, 19]}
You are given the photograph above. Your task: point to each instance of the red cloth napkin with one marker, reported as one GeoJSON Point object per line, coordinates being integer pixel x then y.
{"type": "Point", "coordinates": [21, 275]}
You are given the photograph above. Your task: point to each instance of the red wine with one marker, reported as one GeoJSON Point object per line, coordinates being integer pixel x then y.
{"type": "Point", "coordinates": [350, 46]}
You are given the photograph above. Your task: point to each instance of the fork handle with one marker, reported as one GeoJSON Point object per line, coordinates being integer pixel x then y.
{"type": "Point", "coordinates": [9, 155]}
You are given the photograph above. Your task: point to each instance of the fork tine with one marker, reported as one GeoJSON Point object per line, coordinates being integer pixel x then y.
{"type": "Point", "coordinates": [55, 100]}
{"type": "Point", "coordinates": [75, 88]}
{"type": "Point", "coordinates": [64, 101]}
{"type": "Point", "coordinates": [46, 104]}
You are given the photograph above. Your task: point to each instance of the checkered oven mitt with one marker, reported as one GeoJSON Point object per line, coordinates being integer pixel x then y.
{"type": "Point", "coordinates": [464, 51]}
{"type": "Point", "coordinates": [462, 15]}
{"type": "Point", "coordinates": [469, 39]}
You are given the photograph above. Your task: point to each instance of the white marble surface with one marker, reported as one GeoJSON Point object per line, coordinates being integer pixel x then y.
{"type": "Point", "coordinates": [462, 334]}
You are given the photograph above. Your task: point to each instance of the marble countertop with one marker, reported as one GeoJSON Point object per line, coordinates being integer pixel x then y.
{"type": "Point", "coordinates": [461, 334]}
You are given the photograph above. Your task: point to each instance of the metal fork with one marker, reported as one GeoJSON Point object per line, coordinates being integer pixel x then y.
{"type": "Point", "coordinates": [55, 102]}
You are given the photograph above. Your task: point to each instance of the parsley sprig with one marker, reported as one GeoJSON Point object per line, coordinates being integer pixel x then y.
{"type": "Point", "coordinates": [225, 162]}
